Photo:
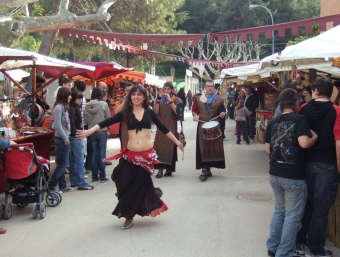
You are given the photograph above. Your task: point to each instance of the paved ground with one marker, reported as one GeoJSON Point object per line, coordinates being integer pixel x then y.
{"type": "Point", "coordinates": [228, 215]}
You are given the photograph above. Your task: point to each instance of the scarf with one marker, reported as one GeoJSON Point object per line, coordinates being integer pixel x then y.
{"type": "Point", "coordinates": [208, 100]}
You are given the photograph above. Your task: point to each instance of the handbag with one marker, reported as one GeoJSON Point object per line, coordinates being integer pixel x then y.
{"type": "Point", "coordinates": [181, 136]}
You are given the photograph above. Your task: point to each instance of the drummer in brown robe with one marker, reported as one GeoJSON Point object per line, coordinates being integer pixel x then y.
{"type": "Point", "coordinates": [167, 107]}
{"type": "Point", "coordinates": [209, 153]}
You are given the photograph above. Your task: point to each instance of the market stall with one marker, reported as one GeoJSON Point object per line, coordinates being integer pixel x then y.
{"type": "Point", "coordinates": [19, 126]}
{"type": "Point", "coordinates": [321, 56]}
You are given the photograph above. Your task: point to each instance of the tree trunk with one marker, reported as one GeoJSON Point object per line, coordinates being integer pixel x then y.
{"type": "Point", "coordinates": [49, 36]}
{"type": "Point", "coordinates": [47, 42]}
{"type": "Point", "coordinates": [105, 54]}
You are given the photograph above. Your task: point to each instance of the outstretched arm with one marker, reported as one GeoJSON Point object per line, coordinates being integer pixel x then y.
{"type": "Point", "coordinates": [81, 134]}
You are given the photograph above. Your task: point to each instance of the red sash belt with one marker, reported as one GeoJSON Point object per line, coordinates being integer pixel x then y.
{"type": "Point", "coordinates": [147, 159]}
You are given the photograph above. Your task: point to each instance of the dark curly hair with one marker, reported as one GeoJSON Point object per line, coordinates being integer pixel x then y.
{"type": "Point", "coordinates": [128, 107]}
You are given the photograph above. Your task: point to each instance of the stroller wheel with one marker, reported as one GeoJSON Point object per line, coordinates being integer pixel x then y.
{"type": "Point", "coordinates": [60, 198]}
{"type": "Point", "coordinates": [52, 199]}
{"type": "Point", "coordinates": [22, 205]}
{"type": "Point", "coordinates": [42, 210]}
{"type": "Point", "coordinates": [8, 211]}
{"type": "Point", "coordinates": [35, 210]}
{"type": "Point", "coordinates": [2, 211]}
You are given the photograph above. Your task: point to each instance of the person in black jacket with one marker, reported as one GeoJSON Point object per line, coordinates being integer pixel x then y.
{"type": "Point", "coordinates": [252, 103]}
{"type": "Point", "coordinates": [181, 95]}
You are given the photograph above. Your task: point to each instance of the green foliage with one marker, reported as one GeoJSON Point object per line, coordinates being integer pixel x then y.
{"type": "Point", "coordinates": [38, 11]}
{"type": "Point", "coordinates": [297, 40]}
{"type": "Point", "coordinates": [29, 42]}
{"type": "Point", "coordinates": [316, 31]}
{"type": "Point", "coordinates": [18, 14]}
{"type": "Point", "coordinates": [76, 50]}
{"type": "Point", "coordinates": [159, 16]}
{"type": "Point", "coordinates": [222, 15]}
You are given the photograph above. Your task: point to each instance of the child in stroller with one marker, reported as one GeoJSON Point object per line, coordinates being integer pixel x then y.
{"type": "Point", "coordinates": [25, 174]}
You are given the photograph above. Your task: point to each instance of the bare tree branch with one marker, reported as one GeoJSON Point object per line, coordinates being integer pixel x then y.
{"type": "Point", "coordinates": [11, 30]}
{"type": "Point", "coordinates": [14, 3]}
{"type": "Point", "coordinates": [222, 52]}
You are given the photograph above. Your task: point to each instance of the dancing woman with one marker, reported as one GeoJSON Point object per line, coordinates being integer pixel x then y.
{"type": "Point", "coordinates": [135, 190]}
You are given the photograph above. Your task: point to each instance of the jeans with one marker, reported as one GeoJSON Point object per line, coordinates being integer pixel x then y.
{"type": "Point", "coordinates": [290, 199]}
{"type": "Point", "coordinates": [98, 145]}
{"type": "Point", "coordinates": [77, 170]}
{"type": "Point", "coordinates": [251, 126]}
{"type": "Point", "coordinates": [62, 152]}
{"type": "Point", "coordinates": [322, 182]}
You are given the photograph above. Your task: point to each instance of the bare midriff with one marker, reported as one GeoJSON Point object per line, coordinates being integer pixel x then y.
{"type": "Point", "coordinates": [140, 141]}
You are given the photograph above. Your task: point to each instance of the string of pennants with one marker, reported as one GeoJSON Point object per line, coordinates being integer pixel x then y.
{"type": "Point", "coordinates": [127, 41]}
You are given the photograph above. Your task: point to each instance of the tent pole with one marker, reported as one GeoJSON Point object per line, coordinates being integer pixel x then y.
{"type": "Point", "coordinates": [34, 78]}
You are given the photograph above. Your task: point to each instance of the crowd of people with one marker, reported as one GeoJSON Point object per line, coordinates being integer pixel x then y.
{"type": "Point", "coordinates": [303, 143]}
{"type": "Point", "coordinates": [302, 140]}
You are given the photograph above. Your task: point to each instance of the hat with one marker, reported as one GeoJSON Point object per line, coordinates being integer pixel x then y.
{"type": "Point", "coordinates": [337, 83]}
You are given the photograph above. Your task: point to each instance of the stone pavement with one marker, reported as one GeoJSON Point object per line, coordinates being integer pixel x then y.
{"type": "Point", "coordinates": [227, 215]}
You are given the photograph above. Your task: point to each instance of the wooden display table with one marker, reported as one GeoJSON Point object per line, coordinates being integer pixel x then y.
{"type": "Point", "coordinates": [264, 117]}
{"type": "Point", "coordinates": [41, 142]}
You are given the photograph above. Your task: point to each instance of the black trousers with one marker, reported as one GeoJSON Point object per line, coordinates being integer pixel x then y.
{"type": "Point", "coordinates": [251, 126]}
{"type": "Point", "coordinates": [241, 126]}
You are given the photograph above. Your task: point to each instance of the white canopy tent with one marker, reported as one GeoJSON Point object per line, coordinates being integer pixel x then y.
{"type": "Point", "coordinates": [314, 53]}
{"type": "Point", "coordinates": [16, 74]}
{"type": "Point", "coordinates": [253, 72]}
{"type": "Point", "coordinates": [14, 59]}
{"type": "Point", "coordinates": [319, 49]}
{"type": "Point", "coordinates": [151, 79]}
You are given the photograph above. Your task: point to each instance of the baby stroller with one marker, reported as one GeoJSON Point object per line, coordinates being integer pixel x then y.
{"type": "Point", "coordinates": [25, 174]}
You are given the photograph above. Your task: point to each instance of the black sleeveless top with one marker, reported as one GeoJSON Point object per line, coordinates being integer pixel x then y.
{"type": "Point", "coordinates": [148, 117]}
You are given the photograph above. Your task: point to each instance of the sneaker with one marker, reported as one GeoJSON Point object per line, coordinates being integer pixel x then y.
{"type": "Point", "coordinates": [251, 141]}
{"type": "Point", "coordinates": [67, 189]}
{"type": "Point", "coordinates": [95, 180]}
{"type": "Point", "coordinates": [85, 177]}
{"type": "Point", "coordinates": [300, 249]}
{"type": "Point", "coordinates": [225, 139]}
{"type": "Point", "coordinates": [55, 189]}
{"type": "Point", "coordinates": [108, 163]}
{"type": "Point", "coordinates": [104, 180]}
{"type": "Point", "coordinates": [322, 253]}
{"type": "Point", "coordinates": [271, 254]}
